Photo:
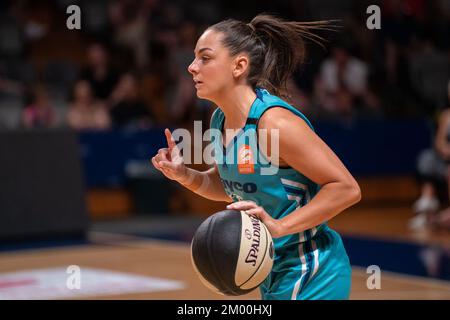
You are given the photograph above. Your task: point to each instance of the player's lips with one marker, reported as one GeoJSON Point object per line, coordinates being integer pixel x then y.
{"type": "Point", "coordinates": [197, 83]}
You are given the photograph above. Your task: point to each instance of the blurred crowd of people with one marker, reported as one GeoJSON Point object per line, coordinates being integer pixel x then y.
{"type": "Point", "coordinates": [127, 66]}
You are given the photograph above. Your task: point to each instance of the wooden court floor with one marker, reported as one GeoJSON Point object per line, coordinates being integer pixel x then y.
{"type": "Point", "coordinates": [171, 260]}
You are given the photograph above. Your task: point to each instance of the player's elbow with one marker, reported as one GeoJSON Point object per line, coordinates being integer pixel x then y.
{"type": "Point", "coordinates": [353, 192]}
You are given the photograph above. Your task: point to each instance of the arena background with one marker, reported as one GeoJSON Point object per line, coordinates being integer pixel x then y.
{"type": "Point", "coordinates": [82, 111]}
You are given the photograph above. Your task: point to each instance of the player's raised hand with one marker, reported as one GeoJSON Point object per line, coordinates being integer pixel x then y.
{"type": "Point", "coordinates": [169, 160]}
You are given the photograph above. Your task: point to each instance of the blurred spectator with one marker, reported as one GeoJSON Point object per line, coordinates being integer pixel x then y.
{"type": "Point", "coordinates": [434, 173]}
{"type": "Point", "coordinates": [429, 72]}
{"type": "Point", "coordinates": [128, 19]}
{"type": "Point", "coordinates": [38, 113]}
{"type": "Point", "coordinates": [127, 106]}
{"type": "Point", "coordinates": [432, 170]}
{"type": "Point", "coordinates": [442, 220]}
{"type": "Point", "coordinates": [85, 112]}
{"type": "Point", "coordinates": [181, 94]}
{"type": "Point", "coordinates": [99, 71]}
{"type": "Point", "coordinates": [164, 22]}
{"type": "Point", "coordinates": [342, 79]}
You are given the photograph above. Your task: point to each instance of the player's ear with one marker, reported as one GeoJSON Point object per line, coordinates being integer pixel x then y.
{"type": "Point", "coordinates": [240, 66]}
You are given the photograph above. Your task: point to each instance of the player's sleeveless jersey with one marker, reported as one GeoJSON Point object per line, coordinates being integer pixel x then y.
{"type": "Point", "coordinates": [247, 175]}
{"type": "Point", "coordinates": [309, 265]}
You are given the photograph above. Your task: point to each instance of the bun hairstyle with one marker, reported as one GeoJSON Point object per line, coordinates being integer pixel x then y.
{"type": "Point", "coordinates": [275, 47]}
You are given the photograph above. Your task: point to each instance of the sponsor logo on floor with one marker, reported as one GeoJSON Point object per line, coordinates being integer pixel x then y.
{"type": "Point", "coordinates": [78, 282]}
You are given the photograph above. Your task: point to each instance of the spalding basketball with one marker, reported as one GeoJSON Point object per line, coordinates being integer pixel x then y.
{"type": "Point", "coordinates": [232, 252]}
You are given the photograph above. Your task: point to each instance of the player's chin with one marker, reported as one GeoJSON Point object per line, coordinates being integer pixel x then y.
{"type": "Point", "coordinates": [202, 94]}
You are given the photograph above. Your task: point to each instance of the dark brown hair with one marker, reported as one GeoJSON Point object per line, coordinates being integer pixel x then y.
{"type": "Point", "coordinates": [275, 47]}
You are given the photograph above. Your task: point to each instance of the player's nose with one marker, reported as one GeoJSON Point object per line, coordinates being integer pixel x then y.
{"type": "Point", "coordinates": [193, 68]}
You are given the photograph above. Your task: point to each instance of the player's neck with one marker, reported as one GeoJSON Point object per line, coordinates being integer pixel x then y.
{"type": "Point", "coordinates": [236, 105]}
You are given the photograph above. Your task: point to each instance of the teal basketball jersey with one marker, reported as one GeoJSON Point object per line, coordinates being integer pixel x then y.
{"type": "Point", "coordinates": [248, 175]}
{"type": "Point", "coordinates": [312, 264]}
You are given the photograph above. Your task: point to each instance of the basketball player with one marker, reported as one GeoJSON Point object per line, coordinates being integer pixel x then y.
{"type": "Point", "coordinates": [243, 68]}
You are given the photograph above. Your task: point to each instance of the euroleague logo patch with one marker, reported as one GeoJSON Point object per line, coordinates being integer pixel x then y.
{"type": "Point", "coordinates": [246, 164]}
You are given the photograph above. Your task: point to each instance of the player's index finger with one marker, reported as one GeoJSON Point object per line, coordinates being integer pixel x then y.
{"type": "Point", "coordinates": [169, 138]}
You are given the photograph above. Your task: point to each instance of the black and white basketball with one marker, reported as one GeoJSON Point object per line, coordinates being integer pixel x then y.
{"type": "Point", "coordinates": [232, 252]}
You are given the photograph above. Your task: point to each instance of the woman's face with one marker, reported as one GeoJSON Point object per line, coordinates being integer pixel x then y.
{"type": "Point", "coordinates": [212, 67]}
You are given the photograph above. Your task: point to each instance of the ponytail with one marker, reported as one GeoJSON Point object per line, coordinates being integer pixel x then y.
{"type": "Point", "coordinates": [275, 47]}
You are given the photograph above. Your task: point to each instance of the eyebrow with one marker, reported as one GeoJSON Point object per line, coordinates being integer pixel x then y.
{"type": "Point", "coordinates": [203, 49]}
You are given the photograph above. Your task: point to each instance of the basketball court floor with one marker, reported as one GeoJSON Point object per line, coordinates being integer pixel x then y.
{"type": "Point", "coordinates": [149, 258]}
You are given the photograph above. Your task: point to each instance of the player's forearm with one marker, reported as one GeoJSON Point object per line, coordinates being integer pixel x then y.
{"type": "Point", "coordinates": [206, 184]}
{"type": "Point", "coordinates": [332, 199]}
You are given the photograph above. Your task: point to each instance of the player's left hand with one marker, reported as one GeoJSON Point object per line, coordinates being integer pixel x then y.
{"type": "Point", "coordinates": [252, 209]}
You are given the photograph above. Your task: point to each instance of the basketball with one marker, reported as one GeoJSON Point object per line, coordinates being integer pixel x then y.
{"type": "Point", "coordinates": [232, 252]}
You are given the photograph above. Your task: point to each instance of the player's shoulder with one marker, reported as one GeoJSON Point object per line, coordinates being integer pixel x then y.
{"type": "Point", "coordinates": [279, 117]}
